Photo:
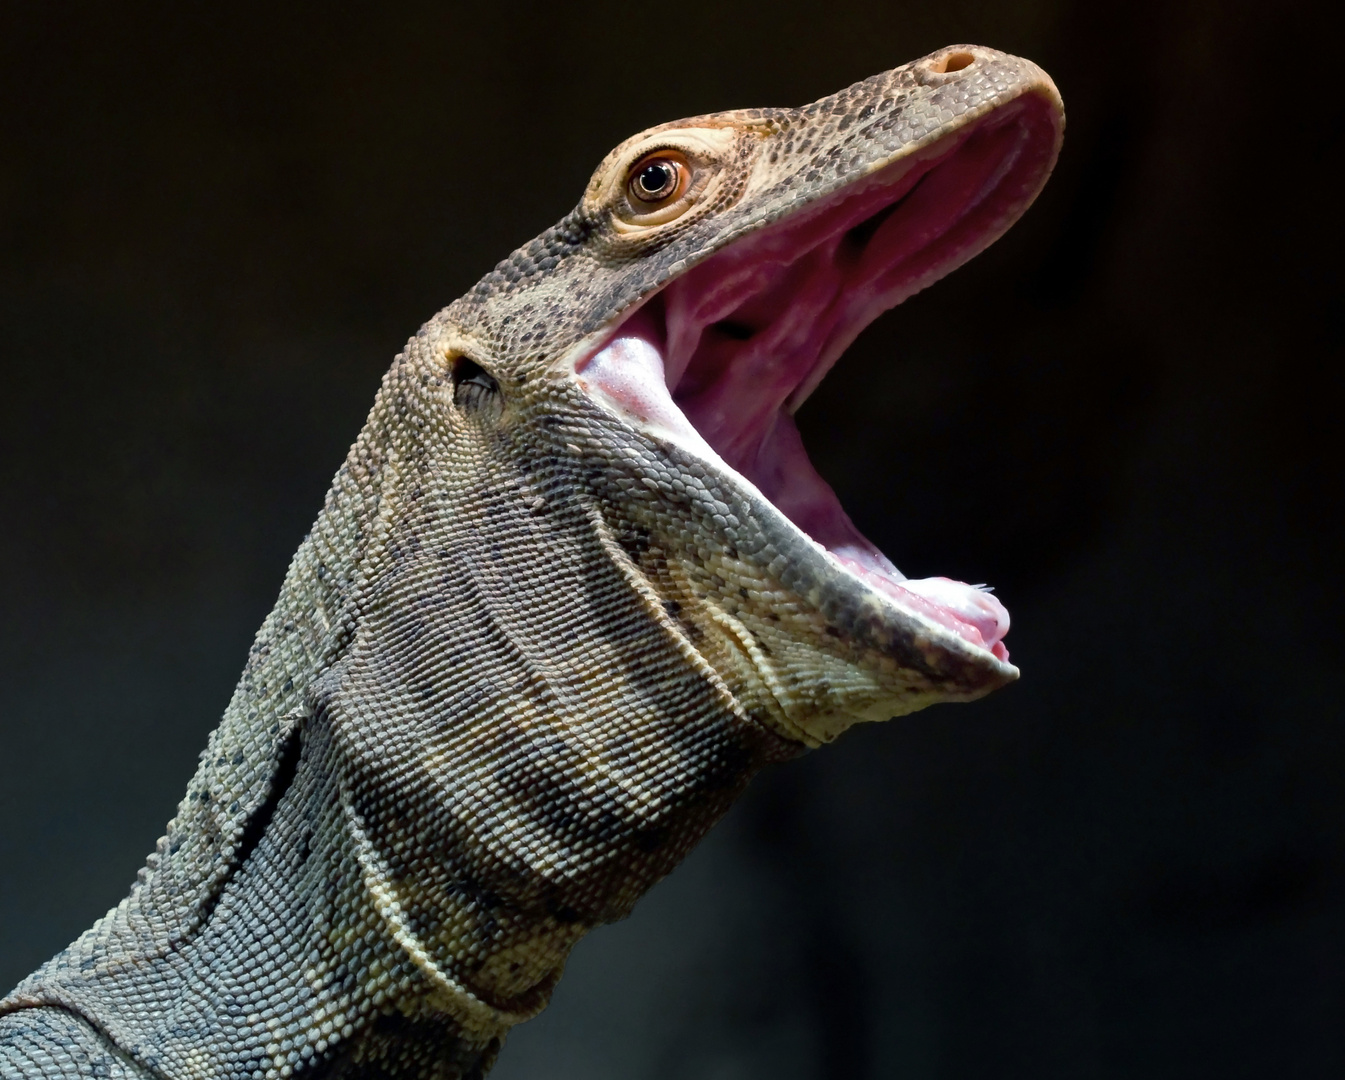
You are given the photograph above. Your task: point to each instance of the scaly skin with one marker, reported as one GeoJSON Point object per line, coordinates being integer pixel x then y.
{"type": "Point", "coordinates": [530, 652]}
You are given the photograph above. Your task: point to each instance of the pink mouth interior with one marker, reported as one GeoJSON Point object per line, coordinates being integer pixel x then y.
{"type": "Point", "coordinates": [720, 358]}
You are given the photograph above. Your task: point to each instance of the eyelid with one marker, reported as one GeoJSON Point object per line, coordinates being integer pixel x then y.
{"type": "Point", "coordinates": [711, 154]}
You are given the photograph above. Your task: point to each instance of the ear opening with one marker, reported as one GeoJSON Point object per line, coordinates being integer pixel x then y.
{"type": "Point", "coordinates": [475, 391]}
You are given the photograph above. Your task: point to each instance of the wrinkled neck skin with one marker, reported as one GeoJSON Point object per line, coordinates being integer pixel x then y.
{"type": "Point", "coordinates": [549, 624]}
{"type": "Point", "coordinates": [469, 753]}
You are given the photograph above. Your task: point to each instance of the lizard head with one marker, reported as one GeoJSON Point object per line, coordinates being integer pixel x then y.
{"type": "Point", "coordinates": [655, 344]}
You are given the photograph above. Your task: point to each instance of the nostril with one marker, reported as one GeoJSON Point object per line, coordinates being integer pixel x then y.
{"type": "Point", "coordinates": [954, 61]}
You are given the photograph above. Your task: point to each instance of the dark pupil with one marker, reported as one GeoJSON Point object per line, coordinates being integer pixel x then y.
{"type": "Point", "coordinates": [655, 178]}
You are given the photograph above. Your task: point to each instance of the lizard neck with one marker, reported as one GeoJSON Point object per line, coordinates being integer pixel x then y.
{"type": "Point", "coordinates": [421, 795]}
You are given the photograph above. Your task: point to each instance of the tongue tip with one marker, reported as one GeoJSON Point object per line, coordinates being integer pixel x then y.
{"type": "Point", "coordinates": [970, 612]}
{"type": "Point", "coordinates": [973, 607]}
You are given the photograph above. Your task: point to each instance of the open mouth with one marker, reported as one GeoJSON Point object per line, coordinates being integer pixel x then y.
{"type": "Point", "coordinates": [719, 359]}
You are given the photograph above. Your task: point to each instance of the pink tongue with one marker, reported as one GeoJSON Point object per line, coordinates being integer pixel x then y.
{"type": "Point", "coordinates": [975, 607]}
{"type": "Point", "coordinates": [971, 613]}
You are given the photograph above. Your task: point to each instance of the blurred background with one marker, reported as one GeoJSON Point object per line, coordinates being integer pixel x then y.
{"type": "Point", "coordinates": [219, 222]}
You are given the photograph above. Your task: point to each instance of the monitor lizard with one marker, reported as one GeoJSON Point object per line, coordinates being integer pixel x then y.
{"type": "Point", "coordinates": [575, 583]}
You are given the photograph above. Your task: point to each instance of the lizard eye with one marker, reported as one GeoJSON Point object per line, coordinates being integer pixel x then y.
{"type": "Point", "coordinates": [657, 180]}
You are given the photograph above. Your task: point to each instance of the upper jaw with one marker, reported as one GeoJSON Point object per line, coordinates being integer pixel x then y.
{"type": "Point", "coordinates": [716, 357]}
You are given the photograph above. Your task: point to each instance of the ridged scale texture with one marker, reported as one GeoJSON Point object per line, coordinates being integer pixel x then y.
{"type": "Point", "coordinates": [525, 659]}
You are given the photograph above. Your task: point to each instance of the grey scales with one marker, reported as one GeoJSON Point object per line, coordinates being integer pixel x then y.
{"type": "Point", "coordinates": [574, 585]}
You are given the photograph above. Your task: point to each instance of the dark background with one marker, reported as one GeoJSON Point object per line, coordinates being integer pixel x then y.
{"type": "Point", "coordinates": [219, 222]}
